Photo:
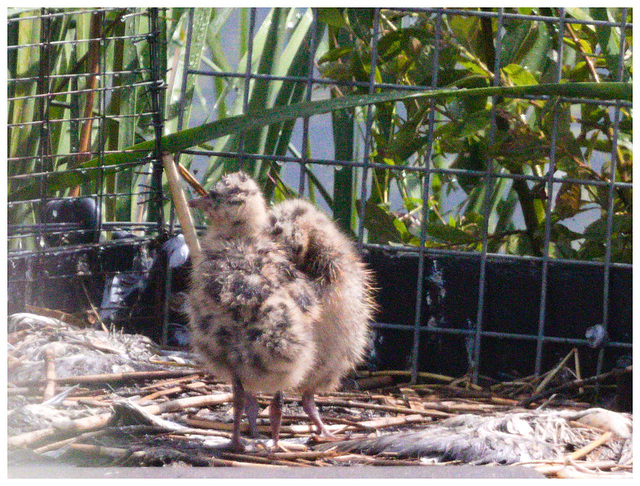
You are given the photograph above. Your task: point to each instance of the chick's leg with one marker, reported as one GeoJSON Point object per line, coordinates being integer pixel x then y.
{"type": "Point", "coordinates": [251, 409]}
{"type": "Point", "coordinates": [275, 414]}
{"type": "Point", "coordinates": [238, 408]}
{"type": "Point", "coordinates": [309, 406]}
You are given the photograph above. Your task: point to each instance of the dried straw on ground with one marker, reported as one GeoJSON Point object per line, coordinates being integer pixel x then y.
{"type": "Point", "coordinates": [139, 415]}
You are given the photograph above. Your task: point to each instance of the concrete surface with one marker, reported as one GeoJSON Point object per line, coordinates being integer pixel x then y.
{"type": "Point", "coordinates": [503, 472]}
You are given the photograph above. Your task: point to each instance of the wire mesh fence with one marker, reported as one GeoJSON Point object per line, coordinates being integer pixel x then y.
{"type": "Point", "coordinates": [83, 83]}
{"type": "Point", "coordinates": [499, 228]}
{"type": "Point", "coordinates": [489, 184]}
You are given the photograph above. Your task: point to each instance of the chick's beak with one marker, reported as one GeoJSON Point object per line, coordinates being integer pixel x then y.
{"type": "Point", "coordinates": [200, 202]}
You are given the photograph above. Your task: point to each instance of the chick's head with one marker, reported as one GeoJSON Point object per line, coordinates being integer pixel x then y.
{"type": "Point", "coordinates": [234, 206]}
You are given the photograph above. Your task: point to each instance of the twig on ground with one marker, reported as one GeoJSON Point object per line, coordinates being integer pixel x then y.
{"type": "Point", "coordinates": [575, 384]}
{"type": "Point", "coordinates": [50, 372]}
{"type": "Point", "coordinates": [589, 447]}
{"type": "Point", "coordinates": [98, 421]}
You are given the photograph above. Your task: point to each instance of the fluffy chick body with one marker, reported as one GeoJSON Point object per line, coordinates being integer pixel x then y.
{"type": "Point", "coordinates": [252, 312]}
{"type": "Point", "coordinates": [252, 315]}
{"type": "Point", "coordinates": [345, 291]}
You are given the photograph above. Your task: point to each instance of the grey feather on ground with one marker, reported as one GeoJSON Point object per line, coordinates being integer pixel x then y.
{"type": "Point", "coordinates": [506, 438]}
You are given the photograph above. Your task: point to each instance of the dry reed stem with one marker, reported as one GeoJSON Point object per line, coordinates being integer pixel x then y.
{"type": "Point", "coordinates": [582, 469]}
{"type": "Point", "coordinates": [374, 461]}
{"type": "Point", "coordinates": [115, 452]}
{"type": "Point", "coordinates": [188, 402]}
{"type": "Point", "coordinates": [98, 421]}
{"type": "Point", "coordinates": [551, 374]}
{"type": "Point", "coordinates": [160, 393]}
{"type": "Point", "coordinates": [215, 461]}
{"type": "Point", "coordinates": [183, 433]}
{"type": "Point", "coordinates": [57, 445]}
{"type": "Point", "coordinates": [264, 429]}
{"type": "Point", "coordinates": [50, 373]}
{"type": "Point", "coordinates": [192, 181]}
{"type": "Point", "coordinates": [258, 459]}
{"type": "Point", "coordinates": [303, 454]}
{"type": "Point", "coordinates": [173, 381]}
{"type": "Point", "coordinates": [182, 208]}
{"type": "Point", "coordinates": [391, 421]}
{"type": "Point", "coordinates": [590, 447]}
{"type": "Point", "coordinates": [75, 426]}
{"type": "Point", "coordinates": [575, 384]}
{"type": "Point", "coordinates": [111, 377]}
{"type": "Point", "coordinates": [384, 408]}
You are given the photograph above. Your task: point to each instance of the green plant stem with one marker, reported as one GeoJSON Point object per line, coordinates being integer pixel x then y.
{"type": "Point", "coordinates": [529, 213]}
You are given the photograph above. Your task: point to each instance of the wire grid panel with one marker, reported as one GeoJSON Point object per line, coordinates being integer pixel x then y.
{"type": "Point", "coordinates": [536, 187]}
{"type": "Point", "coordinates": [83, 83]}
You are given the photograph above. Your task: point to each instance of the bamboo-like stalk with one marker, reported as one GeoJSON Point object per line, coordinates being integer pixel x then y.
{"type": "Point", "coordinates": [182, 208]}
{"type": "Point", "coordinates": [93, 67]}
{"type": "Point", "coordinates": [193, 182]}
{"type": "Point", "coordinates": [112, 377]}
{"type": "Point", "coordinates": [583, 451]}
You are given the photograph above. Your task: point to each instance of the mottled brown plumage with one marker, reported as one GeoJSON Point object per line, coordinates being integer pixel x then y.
{"type": "Point", "coordinates": [281, 300]}
{"type": "Point", "coordinates": [252, 313]}
{"type": "Point", "coordinates": [326, 256]}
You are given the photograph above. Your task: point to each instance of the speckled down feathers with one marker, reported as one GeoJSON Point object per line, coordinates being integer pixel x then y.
{"type": "Point", "coordinates": [251, 311]}
{"type": "Point", "coordinates": [282, 299]}
{"type": "Point", "coordinates": [344, 286]}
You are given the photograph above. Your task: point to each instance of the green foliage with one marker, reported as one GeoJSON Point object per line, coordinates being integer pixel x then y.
{"type": "Point", "coordinates": [492, 135]}
{"type": "Point", "coordinates": [199, 135]}
{"type": "Point", "coordinates": [484, 125]}
{"type": "Point", "coordinates": [75, 105]}
{"type": "Point", "coordinates": [282, 46]}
